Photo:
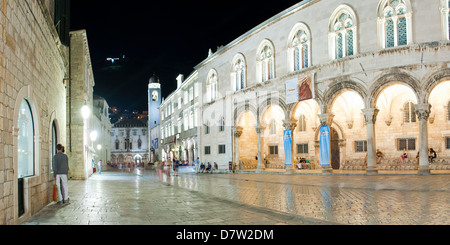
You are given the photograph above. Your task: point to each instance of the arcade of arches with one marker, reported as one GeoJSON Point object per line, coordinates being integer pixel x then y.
{"type": "Point", "coordinates": [395, 115]}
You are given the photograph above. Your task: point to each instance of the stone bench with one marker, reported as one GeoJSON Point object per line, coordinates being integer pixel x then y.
{"type": "Point", "coordinates": [440, 164]}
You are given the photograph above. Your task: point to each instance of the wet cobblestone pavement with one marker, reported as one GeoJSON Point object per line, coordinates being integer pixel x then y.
{"type": "Point", "coordinates": [141, 198]}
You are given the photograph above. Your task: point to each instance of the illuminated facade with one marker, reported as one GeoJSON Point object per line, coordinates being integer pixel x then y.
{"type": "Point", "coordinates": [380, 80]}
{"type": "Point", "coordinates": [129, 142]}
{"type": "Point", "coordinates": [33, 72]}
{"type": "Point", "coordinates": [179, 127]}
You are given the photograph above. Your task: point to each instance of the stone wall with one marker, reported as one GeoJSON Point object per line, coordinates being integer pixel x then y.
{"type": "Point", "coordinates": [33, 66]}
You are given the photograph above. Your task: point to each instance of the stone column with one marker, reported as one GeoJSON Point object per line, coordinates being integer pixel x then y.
{"type": "Point", "coordinates": [260, 166]}
{"type": "Point", "coordinates": [326, 119]}
{"type": "Point", "coordinates": [237, 134]}
{"type": "Point", "coordinates": [423, 112]}
{"type": "Point", "coordinates": [291, 125]}
{"type": "Point", "coordinates": [370, 115]}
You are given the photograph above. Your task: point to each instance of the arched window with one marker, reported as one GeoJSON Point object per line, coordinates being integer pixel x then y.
{"type": "Point", "coordinates": [211, 86]}
{"type": "Point", "coordinates": [266, 62]}
{"type": "Point", "coordinates": [302, 123]}
{"type": "Point", "coordinates": [394, 19]}
{"type": "Point", "coordinates": [409, 112]}
{"type": "Point", "coordinates": [299, 47]}
{"type": "Point", "coordinates": [222, 124]}
{"type": "Point", "coordinates": [53, 143]}
{"type": "Point", "coordinates": [342, 33]}
{"type": "Point", "coordinates": [273, 126]}
{"type": "Point", "coordinates": [239, 73]}
{"type": "Point", "coordinates": [25, 141]}
{"type": "Point", "coordinates": [117, 144]}
{"type": "Point", "coordinates": [139, 143]}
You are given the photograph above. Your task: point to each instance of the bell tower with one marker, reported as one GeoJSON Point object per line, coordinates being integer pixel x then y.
{"type": "Point", "coordinates": [154, 101]}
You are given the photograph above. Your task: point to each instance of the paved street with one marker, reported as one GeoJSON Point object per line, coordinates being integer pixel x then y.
{"type": "Point", "coordinates": [141, 198]}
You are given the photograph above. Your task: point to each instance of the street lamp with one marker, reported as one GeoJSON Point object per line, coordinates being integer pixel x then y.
{"type": "Point", "coordinates": [85, 111]}
{"type": "Point", "coordinates": [93, 136]}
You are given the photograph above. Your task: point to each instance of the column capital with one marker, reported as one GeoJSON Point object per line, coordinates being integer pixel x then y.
{"type": "Point", "coordinates": [423, 111]}
{"type": "Point", "coordinates": [326, 119]}
{"type": "Point", "coordinates": [290, 124]}
{"type": "Point", "coordinates": [238, 131]}
{"type": "Point", "coordinates": [370, 115]}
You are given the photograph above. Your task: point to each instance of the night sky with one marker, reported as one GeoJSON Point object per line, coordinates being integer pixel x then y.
{"type": "Point", "coordinates": [165, 38]}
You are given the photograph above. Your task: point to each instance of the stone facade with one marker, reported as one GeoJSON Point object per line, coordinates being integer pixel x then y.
{"type": "Point", "coordinates": [180, 122]}
{"type": "Point", "coordinates": [80, 145]}
{"type": "Point", "coordinates": [381, 81]}
{"type": "Point", "coordinates": [33, 66]}
{"type": "Point", "coordinates": [129, 142]}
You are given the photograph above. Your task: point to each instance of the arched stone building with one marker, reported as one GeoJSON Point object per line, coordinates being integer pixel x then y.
{"type": "Point", "coordinates": [380, 79]}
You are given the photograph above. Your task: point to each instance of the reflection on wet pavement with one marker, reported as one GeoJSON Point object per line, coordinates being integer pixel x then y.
{"type": "Point", "coordinates": [140, 197]}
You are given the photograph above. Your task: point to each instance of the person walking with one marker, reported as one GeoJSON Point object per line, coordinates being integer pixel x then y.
{"type": "Point", "coordinates": [60, 172]}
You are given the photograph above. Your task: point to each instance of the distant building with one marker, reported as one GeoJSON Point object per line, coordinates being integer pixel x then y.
{"type": "Point", "coordinates": [180, 121]}
{"type": "Point", "coordinates": [129, 142]}
{"type": "Point", "coordinates": [101, 125]}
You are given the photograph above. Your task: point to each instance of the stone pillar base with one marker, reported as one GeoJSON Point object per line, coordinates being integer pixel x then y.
{"type": "Point", "coordinates": [424, 170]}
{"type": "Point", "coordinates": [372, 171]}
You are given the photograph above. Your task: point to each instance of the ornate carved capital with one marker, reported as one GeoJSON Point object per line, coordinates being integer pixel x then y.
{"type": "Point", "coordinates": [370, 115]}
{"type": "Point", "coordinates": [326, 119]}
{"type": "Point", "coordinates": [290, 124]}
{"type": "Point", "coordinates": [238, 132]}
{"type": "Point", "coordinates": [423, 111]}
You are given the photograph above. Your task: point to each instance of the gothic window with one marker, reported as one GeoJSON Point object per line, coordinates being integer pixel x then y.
{"type": "Point", "coordinates": [53, 144]}
{"type": "Point", "coordinates": [222, 125]}
{"type": "Point", "coordinates": [395, 23]}
{"type": "Point", "coordinates": [117, 145]}
{"type": "Point", "coordinates": [300, 47]}
{"type": "Point", "coordinates": [139, 144]}
{"type": "Point", "coordinates": [212, 86]}
{"type": "Point", "coordinates": [239, 74]}
{"type": "Point", "coordinates": [409, 112]}
{"type": "Point", "coordinates": [266, 63]}
{"type": "Point", "coordinates": [25, 141]}
{"type": "Point", "coordinates": [394, 20]}
{"type": "Point", "coordinates": [207, 128]}
{"type": "Point", "coordinates": [273, 126]}
{"type": "Point", "coordinates": [302, 123]}
{"type": "Point", "coordinates": [343, 33]}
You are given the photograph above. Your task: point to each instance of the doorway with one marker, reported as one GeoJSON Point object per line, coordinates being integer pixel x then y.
{"type": "Point", "coordinates": [334, 148]}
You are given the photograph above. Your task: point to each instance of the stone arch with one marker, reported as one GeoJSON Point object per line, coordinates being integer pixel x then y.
{"type": "Point", "coordinates": [279, 101]}
{"type": "Point", "coordinates": [336, 88]}
{"type": "Point", "coordinates": [431, 81]}
{"type": "Point", "coordinates": [242, 108]}
{"type": "Point", "coordinates": [390, 78]}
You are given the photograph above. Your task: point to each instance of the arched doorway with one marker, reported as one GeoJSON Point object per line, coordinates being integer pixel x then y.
{"type": "Point", "coordinates": [334, 149]}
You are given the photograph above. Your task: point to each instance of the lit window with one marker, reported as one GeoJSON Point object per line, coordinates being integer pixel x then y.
{"type": "Point", "coordinates": [300, 48]}
{"type": "Point", "coordinates": [395, 23]}
{"type": "Point", "coordinates": [25, 141]}
{"type": "Point", "coordinates": [344, 38]}
{"type": "Point", "coordinates": [238, 73]}
{"type": "Point", "coordinates": [211, 86]}
{"type": "Point", "coordinates": [266, 63]}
